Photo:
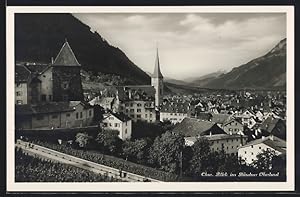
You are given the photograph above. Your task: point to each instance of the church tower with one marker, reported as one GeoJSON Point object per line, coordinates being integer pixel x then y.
{"type": "Point", "coordinates": [66, 76]}
{"type": "Point", "coordinates": [157, 82]}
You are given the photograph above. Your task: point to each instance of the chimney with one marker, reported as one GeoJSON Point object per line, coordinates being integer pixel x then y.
{"type": "Point", "coordinates": [129, 94]}
{"type": "Point", "coordinates": [271, 137]}
{"type": "Point", "coordinates": [210, 134]}
{"type": "Point", "coordinates": [262, 137]}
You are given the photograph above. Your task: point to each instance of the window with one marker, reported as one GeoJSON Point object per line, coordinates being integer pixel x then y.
{"type": "Point", "coordinates": [54, 116]}
{"type": "Point", "coordinates": [110, 124]}
{"type": "Point", "coordinates": [131, 104]}
{"type": "Point", "coordinates": [125, 131]}
{"type": "Point", "coordinates": [232, 147]}
{"type": "Point", "coordinates": [139, 104]}
{"type": "Point", "coordinates": [138, 116]}
{"type": "Point", "coordinates": [245, 152]}
{"type": "Point", "coordinates": [43, 97]}
{"type": "Point", "coordinates": [251, 146]}
{"type": "Point", "coordinates": [252, 153]}
{"type": "Point", "coordinates": [111, 118]}
{"type": "Point", "coordinates": [116, 124]}
{"type": "Point", "coordinates": [132, 116]}
{"type": "Point", "coordinates": [77, 115]}
{"type": "Point", "coordinates": [19, 102]}
{"type": "Point", "coordinates": [105, 124]}
{"type": "Point", "coordinates": [126, 104]}
{"type": "Point", "coordinates": [126, 110]}
{"type": "Point", "coordinates": [138, 110]}
{"type": "Point", "coordinates": [146, 115]}
{"type": "Point", "coordinates": [171, 114]}
{"type": "Point", "coordinates": [126, 123]}
{"type": "Point", "coordinates": [80, 114]}
{"type": "Point", "coordinates": [230, 129]}
{"type": "Point", "coordinates": [50, 97]}
{"type": "Point", "coordinates": [68, 115]}
{"type": "Point", "coordinates": [150, 115]}
{"type": "Point", "coordinates": [19, 93]}
{"type": "Point", "coordinates": [65, 85]}
{"type": "Point", "coordinates": [65, 97]}
{"type": "Point", "coordinates": [259, 147]}
{"type": "Point", "coordinates": [131, 110]}
{"type": "Point", "coordinates": [217, 148]}
{"type": "Point", "coordinates": [40, 117]}
{"type": "Point", "coordinates": [90, 113]}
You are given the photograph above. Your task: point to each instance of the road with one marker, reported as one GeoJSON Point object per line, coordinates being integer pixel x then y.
{"type": "Point", "coordinates": [49, 154]}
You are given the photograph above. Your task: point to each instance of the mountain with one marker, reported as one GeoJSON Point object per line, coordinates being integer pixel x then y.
{"type": "Point", "coordinates": [38, 37]}
{"type": "Point", "coordinates": [265, 72]}
{"type": "Point", "coordinates": [205, 79]}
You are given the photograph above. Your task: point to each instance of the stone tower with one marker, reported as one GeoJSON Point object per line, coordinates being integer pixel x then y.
{"type": "Point", "coordinates": [66, 76]}
{"type": "Point", "coordinates": [157, 82]}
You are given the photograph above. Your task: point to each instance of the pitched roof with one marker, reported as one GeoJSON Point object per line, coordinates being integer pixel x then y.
{"type": "Point", "coordinates": [220, 118]}
{"type": "Point", "coordinates": [271, 141]}
{"type": "Point", "coordinates": [157, 73]}
{"type": "Point", "coordinates": [121, 116]}
{"type": "Point", "coordinates": [194, 127]}
{"type": "Point", "coordinates": [49, 107]}
{"type": "Point", "coordinates": [66, 57]}
{"type": "Point", "coordinates": [22, 74]}
{"type": "Point", "coordinates": [269, 124]}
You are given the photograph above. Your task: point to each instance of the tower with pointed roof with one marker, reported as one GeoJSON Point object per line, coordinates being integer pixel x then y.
{"type": "Point", "coordinates": [157, 82]}
{"type": "Point", "coordinates": [66, 76]}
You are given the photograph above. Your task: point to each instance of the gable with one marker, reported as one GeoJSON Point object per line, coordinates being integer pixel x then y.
{"type": "Point", "coordinates": [66, 57]}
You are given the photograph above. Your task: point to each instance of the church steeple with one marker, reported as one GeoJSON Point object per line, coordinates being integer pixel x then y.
{"type": "Point", "coordinates": [157, 73]}
{"type": "Point", "coordinates": [66, 56]}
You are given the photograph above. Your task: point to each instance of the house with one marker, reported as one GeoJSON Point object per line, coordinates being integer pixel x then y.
{"type": "Point", "coordinates": [218, 142]}
{"type": "Point", "coordinates": [137, 102]}
{"type": "Point", "coordinates": [249, 151]}
{"type": "Point", "coordinates": [58, 81]}
{"type": "Point", "coordinates": [52, 115]}
{"type": "Point", "coordinates": [27, 86]}
{"type": "Point", "coordinates": [274, 126]}
{"type": "Point", "coordinates": [174, 111]}
{"type": "Point", "coordinates": [119, 122]}
{"type": "Point", "coordinates": [192, 127]}
{"type": "Point", "coordinates": [105, 102]}
{"type": "Point", "coordinates": [233, 126]}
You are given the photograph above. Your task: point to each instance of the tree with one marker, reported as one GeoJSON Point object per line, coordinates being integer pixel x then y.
{"type": "Point", "coordinates": [201, 159]}
{"type": "Point", "coordinates": [136, 151]}
{"type": "Point", "coordinates": [264, 161]}
{"type": "Point", "coordinates": [166, 150]}
{"type": "Point", "coordinates": [82, 139]}
{"type": "Point", "coordinates": [109, 141]}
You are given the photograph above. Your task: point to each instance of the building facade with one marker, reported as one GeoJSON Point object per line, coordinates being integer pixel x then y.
{"type": "Point", "coordinates": [119, 122]}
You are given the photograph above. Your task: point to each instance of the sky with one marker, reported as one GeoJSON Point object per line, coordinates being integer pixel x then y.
{"type": "Point", "coordinates": [190, 44]}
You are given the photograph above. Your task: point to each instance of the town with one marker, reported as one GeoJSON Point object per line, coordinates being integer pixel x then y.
{"type": "Point", "coordinates": [143, 130]}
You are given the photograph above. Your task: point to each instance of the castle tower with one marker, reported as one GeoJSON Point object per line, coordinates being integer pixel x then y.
{"type": "Point", "coordinates": [157, 82]}
{"type": "Point", "coordinates": [66, 76]}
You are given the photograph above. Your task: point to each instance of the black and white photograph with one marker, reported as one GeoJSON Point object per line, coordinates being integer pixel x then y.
{"type": "Point", "coordinates": [167, 98]}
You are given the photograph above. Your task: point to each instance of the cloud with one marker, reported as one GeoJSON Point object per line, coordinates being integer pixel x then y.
{"type": "Point", "coordinates": [190, 44]}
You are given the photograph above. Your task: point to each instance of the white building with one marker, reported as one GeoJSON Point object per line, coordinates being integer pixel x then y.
{"type": "Point", "coordinates": [174, 112]}
{"type": "Point", "coordinates": [249, 151]}
{"type": "Point", "coordinates": [119, 122]}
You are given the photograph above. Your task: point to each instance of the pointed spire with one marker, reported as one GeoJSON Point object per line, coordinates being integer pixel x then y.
{"type": "Point", "coordinates": [157, 73]}
{"type": "Point", "coordinates": [66, 56]}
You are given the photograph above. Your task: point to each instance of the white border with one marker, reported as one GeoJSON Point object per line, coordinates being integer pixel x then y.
{"type": "Point", "coordinates": [289, 185]}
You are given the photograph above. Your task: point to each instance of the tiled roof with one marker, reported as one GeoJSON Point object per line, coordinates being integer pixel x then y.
{"type": "Point", "coordinates": [66, 57]}
{"type": "Point", "coordinates": [277, 143]}
{"type": "Point", "coordinates": [22, 74]}
{"type": "Point", "coordinates": [121, 116]}
{"type": "Point", "coordinates": [220, 118]}
{"type": "Point", "coordinates": [50, 107]}
{"type": "Point", "coordinates": [195, 127]}
{"type": "Point", "coordinates": [269, 124]}
{"type": "Point", "coordinates": [102, 100]}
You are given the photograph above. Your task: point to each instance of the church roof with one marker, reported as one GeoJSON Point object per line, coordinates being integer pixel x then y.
{"type": "Point", "coordinates": [157, 73]}
{"type": "Point", "coordinates": [66, 57]}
